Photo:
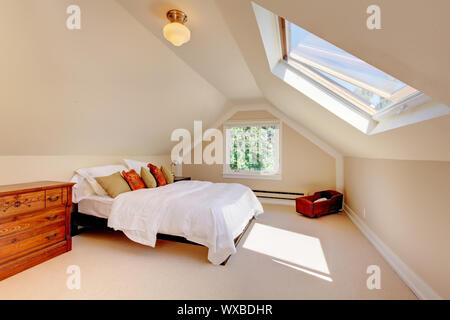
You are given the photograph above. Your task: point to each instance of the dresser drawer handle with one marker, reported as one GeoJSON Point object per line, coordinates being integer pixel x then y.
{"type": "Point", "coordinates": [54, 198]}
{"type": "Point", "coordinates": [51, 236]}
{"type": "Point", "coordinates": [52, 217]}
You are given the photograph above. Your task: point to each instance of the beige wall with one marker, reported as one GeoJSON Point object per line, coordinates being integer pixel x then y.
{"type": "Point", "coordinates": [101, 90]}
{"type": "Point", "coordinates": [19, 169]}
{"type": "Point", "coordinates": [305, 167]}
{"type": "Point", "coordinates": [407, 205]}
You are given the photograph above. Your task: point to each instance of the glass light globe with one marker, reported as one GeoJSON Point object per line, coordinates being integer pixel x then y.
{"type": "Point", "coordinates": [176, 33]}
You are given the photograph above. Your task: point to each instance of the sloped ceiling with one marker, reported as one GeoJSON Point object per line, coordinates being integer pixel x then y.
{"type": "Point", "coordinates": [412, 46]}
{"type": "Point", "coordinates": [212, 51]}
{"type": "Point", "coordinates": [110, 88]}
{"type": "Point", "coordinates": [117, 87]}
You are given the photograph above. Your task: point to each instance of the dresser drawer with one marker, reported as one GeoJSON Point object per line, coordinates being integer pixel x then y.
{"type": "Point", "coordinates": [55, 197]}
{"type": "Point", "coordinates": [25, 223]}
{"type": "Point", "coordinates": [34, 224]}
{"type": "Point", "coordinates": [22, 203]}
{"type": "Point", "coordinates": [16, 247]}
{"type": "Point", "coordinates": [24, 262]}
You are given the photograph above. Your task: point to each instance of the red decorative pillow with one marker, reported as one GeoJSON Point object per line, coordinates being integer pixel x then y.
{"type": "Point", "coordinates": [134, 180]}
{"type": "Point", "coordinates": [158, 174]}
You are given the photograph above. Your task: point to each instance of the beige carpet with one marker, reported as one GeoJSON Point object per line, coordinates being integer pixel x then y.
{"type": "Point", "coordinates": [282, 256]}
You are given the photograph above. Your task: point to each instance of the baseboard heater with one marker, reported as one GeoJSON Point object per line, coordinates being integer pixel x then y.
{"type": "Point", "coordinates": [279, 195]}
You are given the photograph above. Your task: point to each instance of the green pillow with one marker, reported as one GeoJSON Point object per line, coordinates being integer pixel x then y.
{"type": "Point", "coordinates": [167, 174]}
{"type": "Point", "coordinates": [114, 184]}
{"type": "Point", "coordinates": [148, 178]}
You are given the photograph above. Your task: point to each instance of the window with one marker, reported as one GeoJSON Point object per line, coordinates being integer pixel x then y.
{"type": "Point", "coordinates": [252, 149]}
{"type": "Point", "coordinates": [361, 84]}
{"type": "Point", "coordinates": [361, 95]}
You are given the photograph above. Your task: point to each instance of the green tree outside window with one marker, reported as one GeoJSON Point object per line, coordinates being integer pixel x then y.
{"type": "Point", "coordinates": [252, 148]}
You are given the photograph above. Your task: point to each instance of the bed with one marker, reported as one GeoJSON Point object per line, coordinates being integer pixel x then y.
{"type": "Point", "coordinates": [214, 215]}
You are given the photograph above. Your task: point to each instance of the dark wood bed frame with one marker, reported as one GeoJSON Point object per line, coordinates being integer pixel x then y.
{"type": "Point", "coordinates": [81, 222]}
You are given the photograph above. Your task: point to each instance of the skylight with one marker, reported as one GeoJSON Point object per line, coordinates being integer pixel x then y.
{"type": "Point", "coordinates": [361, 84]}
{"type": "Point", "coordinates": [365, 97]}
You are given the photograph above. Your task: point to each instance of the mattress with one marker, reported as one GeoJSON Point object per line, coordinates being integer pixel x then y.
{"type": "Point", "coordinates": [100, 206]}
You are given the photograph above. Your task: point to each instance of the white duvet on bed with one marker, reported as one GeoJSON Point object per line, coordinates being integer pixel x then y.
{"type": "Point", "coordinates": [200, 211]}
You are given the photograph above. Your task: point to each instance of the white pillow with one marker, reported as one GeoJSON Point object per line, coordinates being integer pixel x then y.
{"type": "Point", "coordinates": [136, 165]}
{"type": "Point", "coordinates": [81, 189]}
{"type": "Point", "coordinates": [91, 173]}
{"type": "Point", "coordinates": [321, 199]}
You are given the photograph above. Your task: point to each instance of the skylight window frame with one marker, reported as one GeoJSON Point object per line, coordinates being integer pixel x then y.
{"type": "Point", "coordinates": [333, 87]}
{"type": "Point", "coordinates": [305, 66]}
{"type": "Point", "coordinates": [414, 107]}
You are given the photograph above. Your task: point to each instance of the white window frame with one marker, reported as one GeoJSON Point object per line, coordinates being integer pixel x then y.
{"type": "Point", "coordinates": [411, 107]}
{"type": "Point", "coordinates": [246, 174]}
{"type": "Point", "coordinates": [406, 95]}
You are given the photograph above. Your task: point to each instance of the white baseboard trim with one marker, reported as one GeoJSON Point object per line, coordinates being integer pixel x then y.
{"type": "Point", "coordinates": [278, 201]}
{"type": "Point", "coordinates": [420, 288]}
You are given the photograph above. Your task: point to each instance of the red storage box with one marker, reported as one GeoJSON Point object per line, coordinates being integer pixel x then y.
{"type": "Point", "coordinates": [307, 206]}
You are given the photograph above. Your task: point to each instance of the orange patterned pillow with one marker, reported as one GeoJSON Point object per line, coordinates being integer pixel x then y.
{"type": "Point", "coordinates": [133, 180]}
{"type": "Point", "coordinates": [158, 174]}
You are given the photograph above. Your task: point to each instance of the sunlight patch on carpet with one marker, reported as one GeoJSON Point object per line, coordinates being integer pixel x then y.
{"type": "Point", "coordinates": [291, 247]}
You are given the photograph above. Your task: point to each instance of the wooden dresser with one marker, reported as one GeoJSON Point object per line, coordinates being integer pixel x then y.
{"type": "Point", "coordinates": [34, 224]}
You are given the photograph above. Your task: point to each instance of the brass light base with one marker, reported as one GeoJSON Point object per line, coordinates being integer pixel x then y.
{"type": "Point", "coordinates": [175, 15]}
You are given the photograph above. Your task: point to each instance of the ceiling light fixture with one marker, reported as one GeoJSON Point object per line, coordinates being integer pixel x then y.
{"type": "Point", "coordinates": [175, 31]}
